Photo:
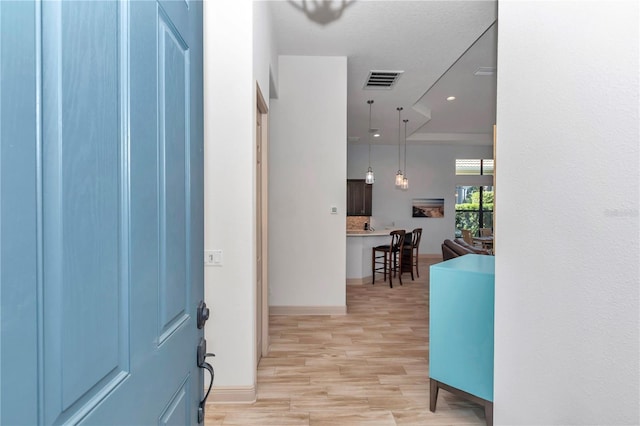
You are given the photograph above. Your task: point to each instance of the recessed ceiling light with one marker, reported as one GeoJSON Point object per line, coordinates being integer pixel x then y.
{"type": "Point", "coordinates": [375, 132]}
{"type": "Point", "coordinates": [451, 98]}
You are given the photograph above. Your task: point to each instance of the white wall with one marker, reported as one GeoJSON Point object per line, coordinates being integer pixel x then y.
{"type": "Point", "coordinates": [307, 172]}
{"type": "Point", "coordinates": [265, 56]}
{"type": "Point", "coordinates": [229, 184]}
{"type": "Point", "coordinates": [567, 278]}
{"type": "Point", "coordinates": [431, 173]}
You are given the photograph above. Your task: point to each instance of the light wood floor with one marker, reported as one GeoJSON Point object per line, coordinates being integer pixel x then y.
{"type": "Point", "coordinates": [369, 367]}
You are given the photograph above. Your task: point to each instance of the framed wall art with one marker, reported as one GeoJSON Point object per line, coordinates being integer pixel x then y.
{"type": "Point", "coordinates": [428, 207]}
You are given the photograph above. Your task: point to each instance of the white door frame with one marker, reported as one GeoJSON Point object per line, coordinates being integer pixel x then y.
{"type": "Point", "coordinates": [262, 193]}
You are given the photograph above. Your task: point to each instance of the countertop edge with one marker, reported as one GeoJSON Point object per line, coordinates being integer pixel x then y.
{"type": "Point", "coordinates": [369, 233]}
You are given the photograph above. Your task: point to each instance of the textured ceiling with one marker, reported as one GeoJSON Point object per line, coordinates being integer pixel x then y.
{"type": "Point", "coordinates": [438, 45]}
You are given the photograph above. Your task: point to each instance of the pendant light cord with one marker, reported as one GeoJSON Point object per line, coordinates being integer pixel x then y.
{"type": "Point", "coordinates": [368, 177]}
{"type": "Point", "coordinates": [405, 146]}
{"type": "Point", "coordinates": [399, 148]}
{"type": "Point", "coordinates": [370, 101]}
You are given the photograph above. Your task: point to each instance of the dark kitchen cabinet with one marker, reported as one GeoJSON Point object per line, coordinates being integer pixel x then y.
{"type": "Point", "coordinates": [358, 198]}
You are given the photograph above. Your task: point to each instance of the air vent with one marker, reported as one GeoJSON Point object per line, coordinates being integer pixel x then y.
{"type": "Point", "coordinates": [382, 79]}
{"type": "Point", "coordinates": [485, 71]}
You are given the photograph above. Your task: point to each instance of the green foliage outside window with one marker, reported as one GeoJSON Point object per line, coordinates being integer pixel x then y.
{"type": "Point", "coordinates": [468, 214]}
{"type": "Point", "coordinates": [487, 199]}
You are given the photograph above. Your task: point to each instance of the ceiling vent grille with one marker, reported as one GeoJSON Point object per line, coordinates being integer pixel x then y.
{"type": "Point", "coordinates": [382, 79]}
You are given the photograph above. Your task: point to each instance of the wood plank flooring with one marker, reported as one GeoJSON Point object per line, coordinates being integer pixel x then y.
{"type": "Point", "coordinates": [369, 367]}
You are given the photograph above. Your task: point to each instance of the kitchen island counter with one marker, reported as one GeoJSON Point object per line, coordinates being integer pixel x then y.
{"type": "Point", "coordinates": [359, 245]}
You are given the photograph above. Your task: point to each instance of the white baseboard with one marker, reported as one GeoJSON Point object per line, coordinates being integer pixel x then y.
{"type": "Point", "coordinates": [307, 310]}
{"type": "Point", "coordinates": [232, 395]}
{"type": "Point", "coordinates": [359, 281]}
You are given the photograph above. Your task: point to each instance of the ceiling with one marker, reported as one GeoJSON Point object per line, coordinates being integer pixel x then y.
{"type": "Point", "coordinates": [438, 44]}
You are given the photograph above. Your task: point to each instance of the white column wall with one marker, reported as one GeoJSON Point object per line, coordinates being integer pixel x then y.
{"type": "Point", "coordinates": [307, 175]}
{"type": "Point", "coordinates": [265, 57]}
{"type": "Point", "coordinates": [567, 275]}
{"type": "Point", "coordinates": [431, 172]}
{"type": "Point", "coordinates": [229, 101]}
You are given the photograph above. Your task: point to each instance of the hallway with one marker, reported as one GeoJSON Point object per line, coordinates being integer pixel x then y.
{"type": "Point", "coordinates": [369, 367]}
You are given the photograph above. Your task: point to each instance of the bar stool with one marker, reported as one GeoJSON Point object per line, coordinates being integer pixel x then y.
{"type": "Point", "coordinates": [410, 251]}
{"type": "Point", "coordinates": [388, 257]}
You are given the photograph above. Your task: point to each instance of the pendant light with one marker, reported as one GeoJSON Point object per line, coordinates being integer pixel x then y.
{"type": "Point", "coordinates": [399, 176]}
{"type": "Point", "coordinates": [369, 178]}
{"type": "Point", "coordinates": [405, 179]}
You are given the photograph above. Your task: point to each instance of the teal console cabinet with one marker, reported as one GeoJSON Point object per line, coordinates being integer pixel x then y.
{"type": "Point", "coordinates": [461, 303]}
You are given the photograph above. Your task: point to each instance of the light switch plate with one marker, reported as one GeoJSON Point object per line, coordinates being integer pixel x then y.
{"type": "Point", "coordinates": [213, 257]}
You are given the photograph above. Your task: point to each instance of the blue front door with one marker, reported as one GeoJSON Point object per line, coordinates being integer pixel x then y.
{"type": "Point", "coordinates": [101, 212]}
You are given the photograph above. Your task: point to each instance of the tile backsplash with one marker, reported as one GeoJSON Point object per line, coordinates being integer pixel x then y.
{"type": "Point", "coordinates": [357, 222]}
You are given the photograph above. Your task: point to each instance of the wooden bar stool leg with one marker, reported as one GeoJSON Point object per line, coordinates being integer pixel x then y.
{"type": "Point", "coordinates": [373, 265]}
{"type": "Point", "coordinates": [411, 264]}
{"type": "Point", "coordinates": [390, 267]}
{"type": "Point", "coordinates": [393, 265]}
{"type": "Point", "coordinates": [385, 266]}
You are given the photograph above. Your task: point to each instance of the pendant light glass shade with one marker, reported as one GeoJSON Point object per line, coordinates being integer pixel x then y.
{"type": "Point", "coordinates": [399, 178]}
{"type": "Point", "coordinates": [368, 177]}
{"type": "Point", "coordinates": [405, 183]}
{"type": "Point", "coordinates": [399, 175]}
{"type": "Point", "coordinates": [405, 180]}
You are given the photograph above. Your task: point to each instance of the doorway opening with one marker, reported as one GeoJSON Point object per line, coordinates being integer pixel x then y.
{"type": "Point", "coordinates": [261, 173]}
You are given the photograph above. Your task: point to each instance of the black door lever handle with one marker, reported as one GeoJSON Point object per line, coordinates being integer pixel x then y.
{"type": "Point", "coordinates": [202, 313]}
{"type": "Point", "coordinates": [201, 360]}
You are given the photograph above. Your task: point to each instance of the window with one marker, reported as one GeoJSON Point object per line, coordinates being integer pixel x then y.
{"type": "Point", "coordinates": [476, 167]}
{"type": "Point", "coordinates": [474, 199]}
{"type": "Point", "coordinates": [474, 208]}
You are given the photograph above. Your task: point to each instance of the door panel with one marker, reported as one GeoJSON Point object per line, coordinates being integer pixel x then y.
{"type": "Point", "coordinates": [111, 178]}
{"type": "Point", "coordinates": [173, 90]}
{"type": "Point", "coordinates": [177, 411]}
{"type": "Point", "coordinates": [19, 264]}
{"type": "Point", "coordinates": [83, 256]}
